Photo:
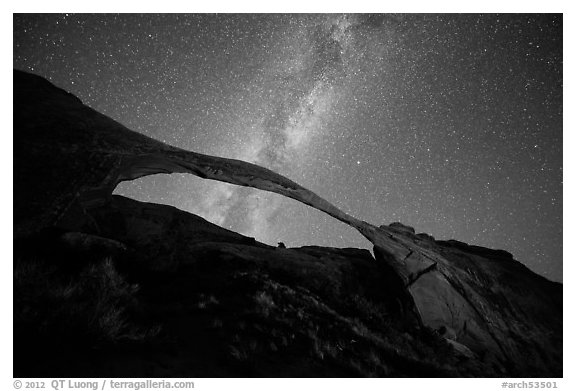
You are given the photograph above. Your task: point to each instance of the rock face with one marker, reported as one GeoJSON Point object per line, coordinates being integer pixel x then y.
{"type": "Point", "coordinates": [339, 311]}
{"type": "Point", "coordinates": [487, 301]}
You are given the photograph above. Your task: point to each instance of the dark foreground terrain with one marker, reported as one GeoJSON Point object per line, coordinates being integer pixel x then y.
{"type": "Point", "coordinates": [109, 286]}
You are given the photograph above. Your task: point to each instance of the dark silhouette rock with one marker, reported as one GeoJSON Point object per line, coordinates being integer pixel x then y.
{"type": "Point", "coordinates": [226, 303]}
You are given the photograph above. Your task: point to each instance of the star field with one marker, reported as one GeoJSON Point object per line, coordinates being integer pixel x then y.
{"type": "Point", "coordinates": [448, 123]}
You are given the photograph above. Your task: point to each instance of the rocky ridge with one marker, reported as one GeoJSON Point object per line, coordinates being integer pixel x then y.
{"type": "Point", "coordinates": [492, 311]}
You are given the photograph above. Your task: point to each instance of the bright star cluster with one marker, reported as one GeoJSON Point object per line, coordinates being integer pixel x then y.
{"type": "Point", "coordinates": [448, 123]}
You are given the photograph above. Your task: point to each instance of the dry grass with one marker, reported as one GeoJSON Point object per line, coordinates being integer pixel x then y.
{"type": "Point", "coordinates": [93, 306]}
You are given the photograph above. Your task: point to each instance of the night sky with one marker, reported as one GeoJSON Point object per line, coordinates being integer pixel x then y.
{"type": "Point", "coordinates": [448, 123]}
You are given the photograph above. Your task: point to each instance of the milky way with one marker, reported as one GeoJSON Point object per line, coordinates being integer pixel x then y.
{"type": "Point", "coordinates": [449, 123]}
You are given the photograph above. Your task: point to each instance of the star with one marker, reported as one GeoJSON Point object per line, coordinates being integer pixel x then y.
{"type": "Point", "coordinates": [457, 118]}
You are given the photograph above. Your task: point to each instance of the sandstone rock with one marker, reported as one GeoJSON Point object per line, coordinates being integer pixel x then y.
{"type": "Point", "coordinates": [401, 228]}
{"type": "Point", "coordinates": [68, 159]}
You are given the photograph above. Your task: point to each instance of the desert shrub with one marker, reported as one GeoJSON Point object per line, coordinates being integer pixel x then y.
{"type": "Point", "coordinates": [92, 306]}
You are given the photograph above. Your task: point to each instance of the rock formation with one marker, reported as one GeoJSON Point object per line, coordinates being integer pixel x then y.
{"type": "Point", "coordinates": [489, 309]}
